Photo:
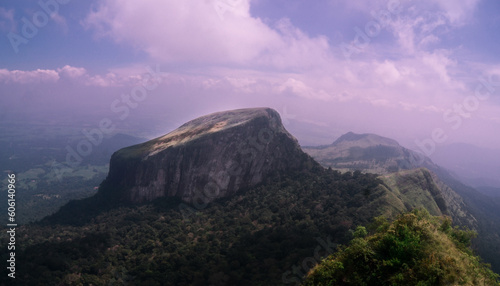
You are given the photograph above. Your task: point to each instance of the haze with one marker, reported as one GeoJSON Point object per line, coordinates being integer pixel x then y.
{"type": "Point", "coordinates": [421, 72]}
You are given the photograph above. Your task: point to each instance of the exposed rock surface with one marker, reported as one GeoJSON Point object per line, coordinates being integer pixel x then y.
{"type": "Point", "coordinates": [209, 157]}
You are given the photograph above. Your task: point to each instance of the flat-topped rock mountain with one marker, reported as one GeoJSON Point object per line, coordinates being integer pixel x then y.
{"type": "Point", "coordinates": [209, 157]}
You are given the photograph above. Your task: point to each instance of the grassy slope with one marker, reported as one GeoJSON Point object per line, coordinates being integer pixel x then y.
{"type": "Point", "coordinates": [416, 249]}
{"type": "Point", "coordinates": [410, 189]}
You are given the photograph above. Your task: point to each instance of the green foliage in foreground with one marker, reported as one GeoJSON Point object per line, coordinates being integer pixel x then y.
{"type": "Point", "coordinates": [416, 249]}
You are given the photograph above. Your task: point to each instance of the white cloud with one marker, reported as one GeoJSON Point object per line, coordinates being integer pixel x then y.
{"type": "Point", "coordinates": [71, 72]}
{"type": "Point", "coordinates": [243, 84]}
{"type": "Point", "coordinates": [75, 75]}
{"type": "Point", "coordinates": [193, 31]}
{"type": "Point", "coordinates": [25, 77]}
{"type": "Point", "coordinates": [183, 31]}
{"type": "Point", "coordinates": [388, 72]}
{"type": "Point", "coordinates": [440, 62]}
{"type": "Point", "coordinates": [303, 90]}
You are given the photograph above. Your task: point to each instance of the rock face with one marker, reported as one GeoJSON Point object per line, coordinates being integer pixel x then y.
{"type": "Point", "coordinates": [209, 157]}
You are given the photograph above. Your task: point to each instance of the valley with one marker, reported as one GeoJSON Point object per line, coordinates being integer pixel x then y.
{"type": "Point", "coordinates": [37, 156]}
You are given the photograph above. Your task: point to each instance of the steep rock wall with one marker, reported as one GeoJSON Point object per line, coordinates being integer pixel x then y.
{"type": "Point", "coordinates": [213, 156]}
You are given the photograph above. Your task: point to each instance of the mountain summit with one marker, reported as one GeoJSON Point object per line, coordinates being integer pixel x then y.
{"type": "Point", "coordinates": [369, 153]}
{"type": "Point", "coordinates": [212, 156]}
{"type": "Point", "coordinates": [365, 139]}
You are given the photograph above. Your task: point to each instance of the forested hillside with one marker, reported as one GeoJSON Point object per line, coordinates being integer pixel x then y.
{"type": "Point", "coordinates": [258, 237]}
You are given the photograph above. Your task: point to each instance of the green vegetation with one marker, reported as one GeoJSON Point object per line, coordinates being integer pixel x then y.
{"type": "Point", "coordinates": [470, 208]}
{"type": "Point", "coordinates": [416, 249]}
{"type": "Point", "coordinates": [42, 193]}
{"type": "Point", "coordinates": [249, 239]}
{"type": "Point", "coordinates": [486, 211]}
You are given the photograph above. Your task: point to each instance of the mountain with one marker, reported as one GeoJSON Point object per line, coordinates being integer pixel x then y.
{"type": "Point", "coordinates": [384, 156]}
{"type": "Point", "coordinates": [264, 219]}
{"type": "Point", "coordinates": [400, 168]}
{"type": "Point", "coordinates": [211, 157]}
{"type": "Point", "coordinates": [368, 152]}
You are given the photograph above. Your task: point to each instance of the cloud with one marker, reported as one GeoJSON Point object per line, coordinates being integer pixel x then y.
{"type": "Point", "coordinates": [25, 77]}
{"type": "Point", "coordinates": [184, 31]}
{"type": "Point", "coordinates": [416, 25]}
{"type": "Point", "coordinates": [301, 89]}
{"type": "Point", "coordinates": [202, 32]}
{"type": "Point", "coordinates": [388, 72]}
{"type": "Point", "coordinates": [71, 72]}
{"type": "Point", "coordinates": [439, 63]}
{"type": "Point", "coordinates": [76, 75]}
{"type": "Point", "coordinates": [81, 76]}
{"type": "Point", "coordinates": [458, 12]}
{"type": "Point", "coordinates": [416, 30]}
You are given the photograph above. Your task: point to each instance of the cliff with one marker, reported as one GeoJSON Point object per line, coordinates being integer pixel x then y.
{"type": "Point", "coordinates": [207, 158]}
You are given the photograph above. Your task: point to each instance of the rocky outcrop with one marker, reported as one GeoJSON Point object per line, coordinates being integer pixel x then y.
{"type": "Point", "coordinates": [212, 156]}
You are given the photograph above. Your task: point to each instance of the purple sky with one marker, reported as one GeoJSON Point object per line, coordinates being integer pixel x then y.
{"type": "Point", "coordinates": [416, 71]}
